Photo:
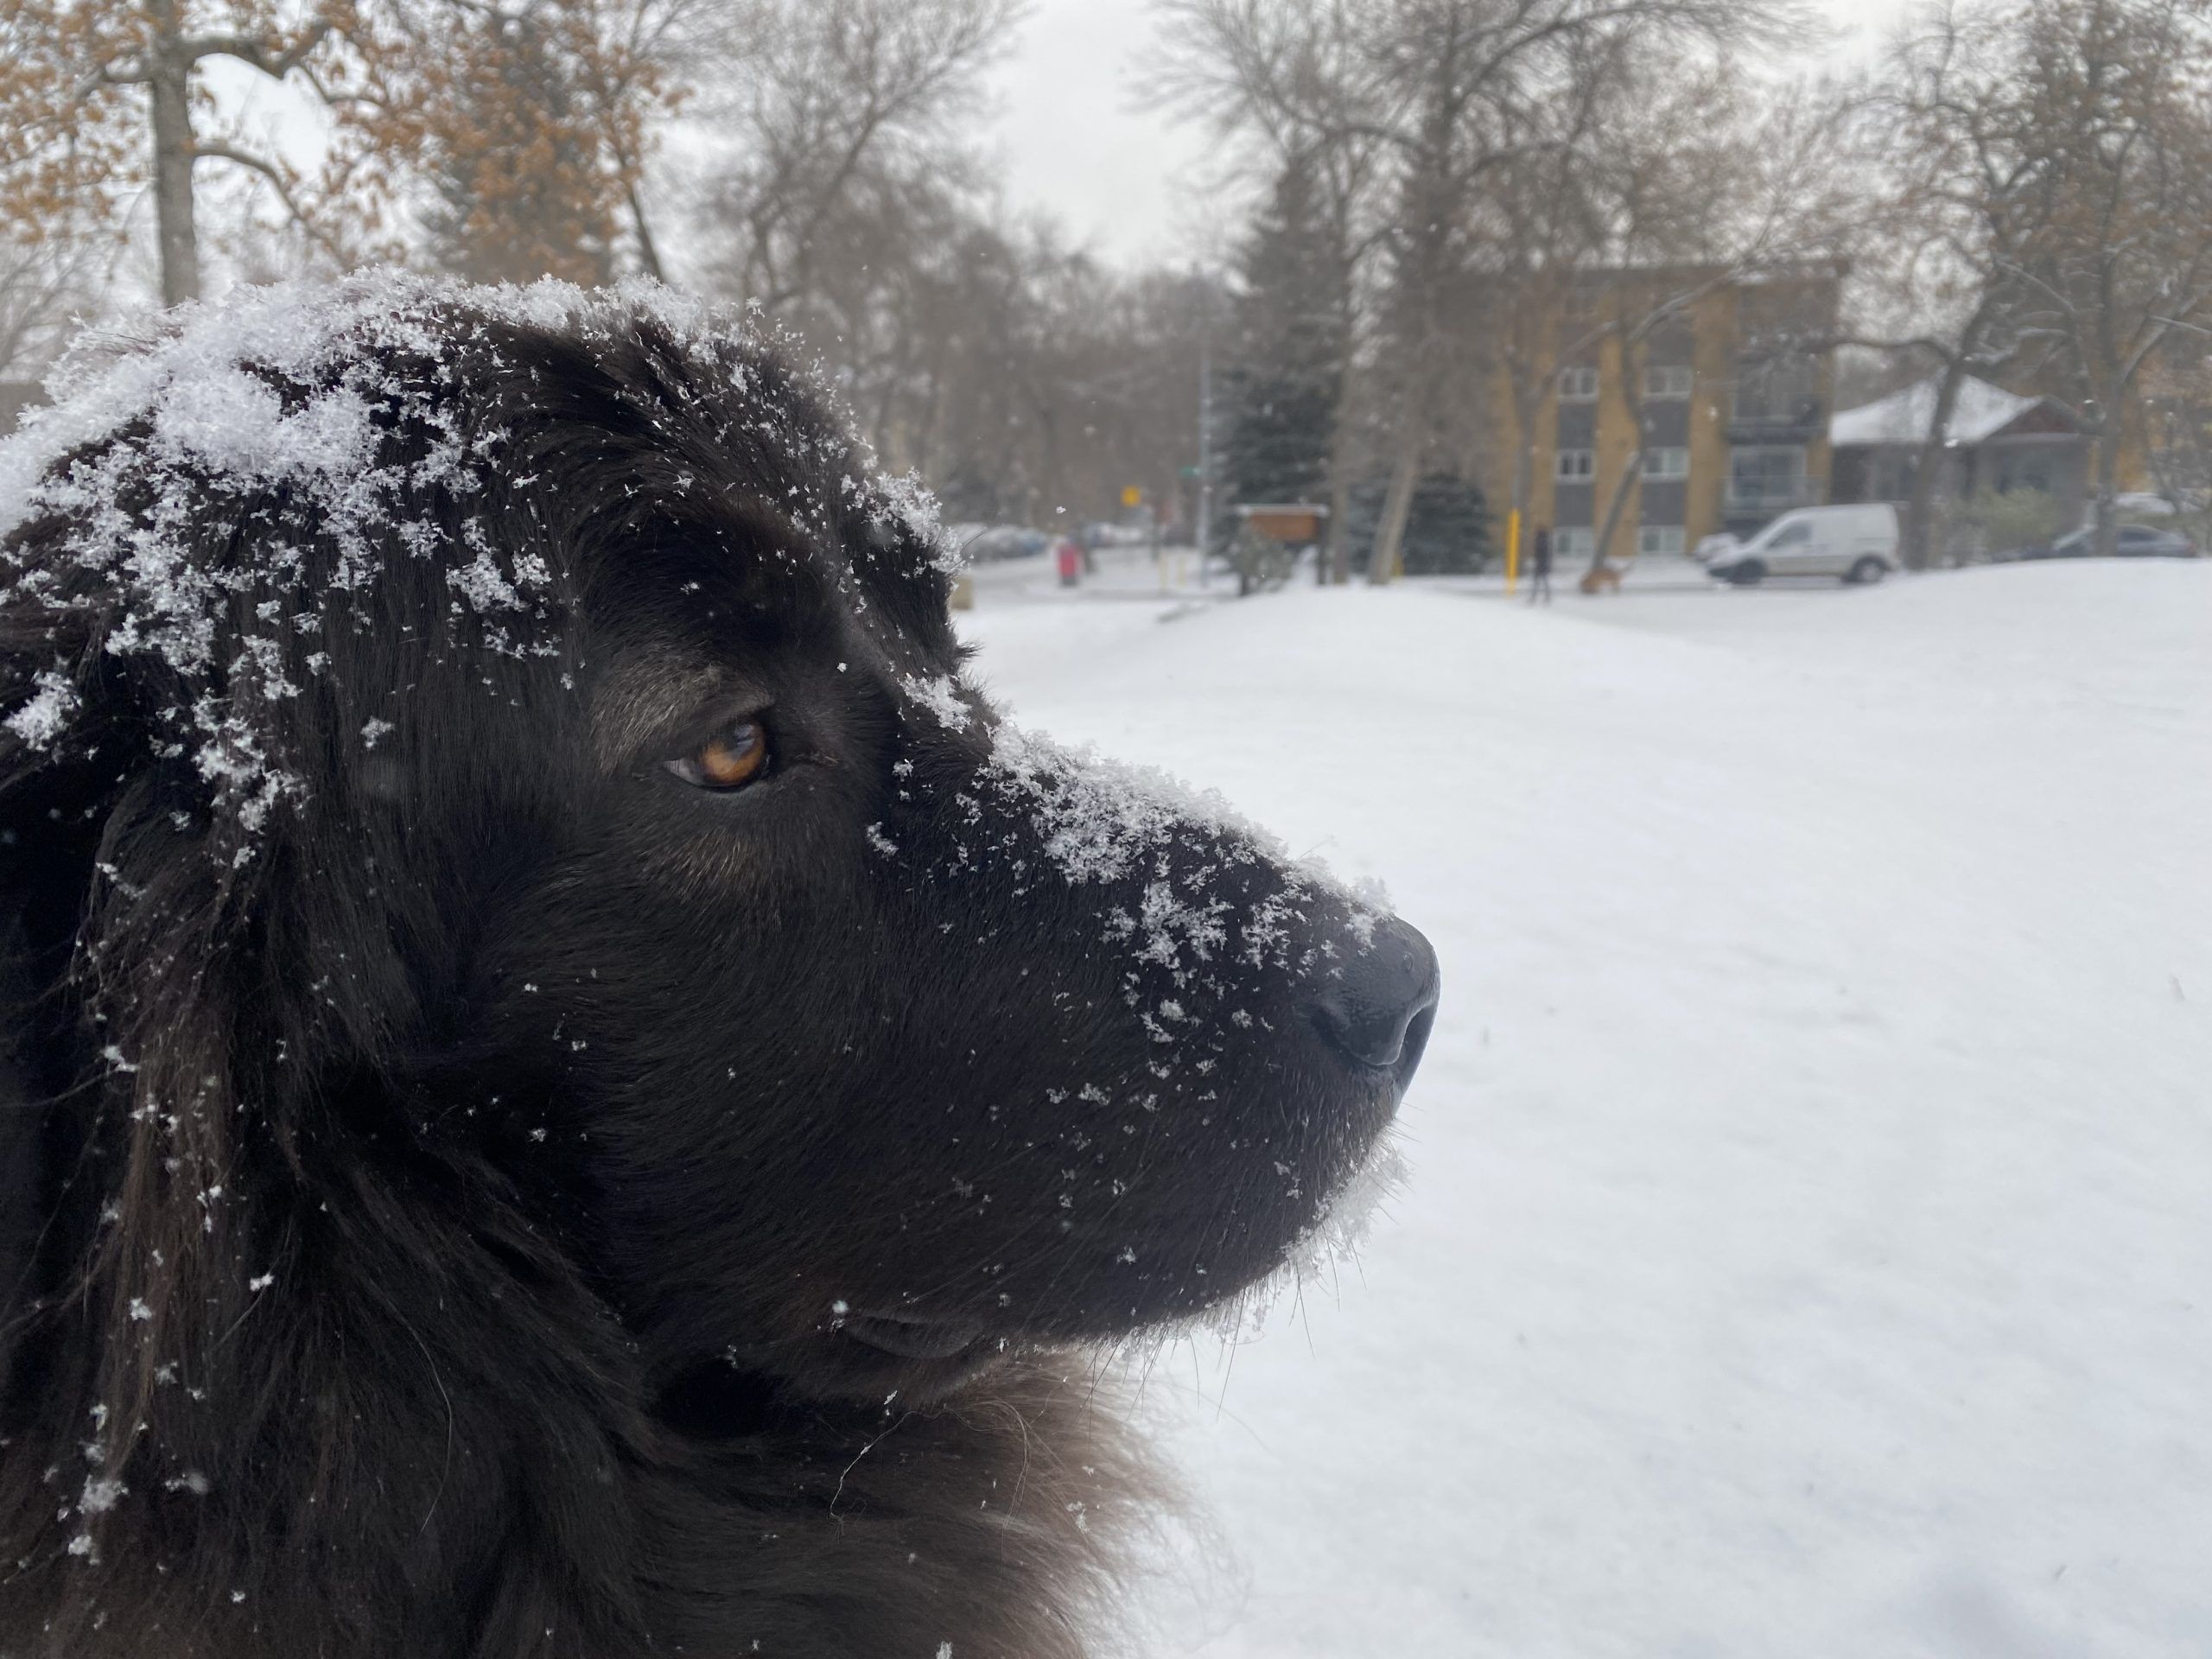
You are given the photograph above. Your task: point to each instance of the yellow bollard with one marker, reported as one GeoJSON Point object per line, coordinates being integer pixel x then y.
{"type": "Point", "coordinates": [1512, 549]}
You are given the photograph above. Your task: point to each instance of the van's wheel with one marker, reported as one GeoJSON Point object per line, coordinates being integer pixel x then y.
{"type": "Point", "coordinates": [1867, 572]}
{"type": "Point", "coordinates": [1749, 573]}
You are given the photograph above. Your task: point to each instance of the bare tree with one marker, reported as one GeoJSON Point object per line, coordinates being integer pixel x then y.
{"type": "Point", "coordinates": [1967, 203]}
{"type": "Point", "coordinates": [1027, 379]}
{"type": "Point", "coordinates": [2177, 400]}
{"type": "Point", "coordinates": [1705, 181]}
{"type": "Point", "coordinates": [45, 282]}
{"type": "Point", "coordinates": [1286, 85]}
{"type": "Point", "coordinates": [99, 99]}
{"type": "Point", "coordinates": [1486, 76]}
{"type": "Point", "coordinates": [654, 55]}
{"type": "Point", "coordinates": [833, 101]}
{"type": "Point", "coordinates": [1538, 221]}
{"type": "Point", "coordinates": [2120, 96]}
{"type": "Point", "coordinates": [1091, 383]}
{"type": "Point", "coordinates": [2053, 210]}
{"type": "Point", "coordinates": [1448, 92]}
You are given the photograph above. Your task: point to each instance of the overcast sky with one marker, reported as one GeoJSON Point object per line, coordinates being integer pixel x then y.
{"type": "Point", "coordinates": [1066, 122]}
{"type": "Point", "coordinates": [1131, 184]}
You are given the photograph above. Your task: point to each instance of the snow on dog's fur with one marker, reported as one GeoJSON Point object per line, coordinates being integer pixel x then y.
{"type": "Point", "coordinates": [571, 1088]}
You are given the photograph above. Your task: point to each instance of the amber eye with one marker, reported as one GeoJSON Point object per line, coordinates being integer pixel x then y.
{"type": "Point", "coordinates": [732, 758]}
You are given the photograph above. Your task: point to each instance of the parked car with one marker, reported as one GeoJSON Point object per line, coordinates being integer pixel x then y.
{"type": "Point", "coordinates": [1858, 542]}
{"type": "Point", "coordinates": [2145, 504]}
{"type": "Point", "coordinates": [1103, 534]}
{"type": "Point", "coordinates": [984, 543]}
{"type": "Point", "coordinates": [2136, 542]}
{"type": "Point", "coordinates": [1717, 545]}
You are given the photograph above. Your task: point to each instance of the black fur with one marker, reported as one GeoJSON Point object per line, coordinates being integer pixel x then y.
{"type": "Point", "coordinates": [455, 1207]}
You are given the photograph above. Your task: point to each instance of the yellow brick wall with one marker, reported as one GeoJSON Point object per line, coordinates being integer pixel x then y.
{"type": "Point", "coordinates": [1616, 438]}
{"type": "Point", "coordinates": [1713, 354]}
{"type": "Point", "coordinates": [1716, 329]}
{"type": "Point", "coordinates": [1713, 338]}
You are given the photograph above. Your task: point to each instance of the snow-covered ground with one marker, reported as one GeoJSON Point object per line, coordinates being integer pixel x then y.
{"type": "Point", "coordinates": [1808, 1244]}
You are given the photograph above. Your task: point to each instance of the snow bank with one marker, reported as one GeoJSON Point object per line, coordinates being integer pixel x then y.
{"type": "Point", "coordinates": [1805, 1245]}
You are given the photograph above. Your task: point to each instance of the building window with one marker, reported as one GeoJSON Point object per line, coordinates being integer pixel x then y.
{"type": "Point", "coordinates": [2028, 471]}
{"type": "Point", "coordinates": [1780, 387]}
{"type": "Point", "coordinates": [1576, 466]}
{"type": "Point", "coordinates": [1767, 478]}
{"type": "Point", "coordinates": [1573, 543]}
{"type": "Point", "coordinates": [1666, 463]}
{"type": "Point", "coordinates": [1671, 380]}
{"type": "Point", "coordinates": [1577, 385]}
{"type": "Point", "coordinates": [1660, 540]}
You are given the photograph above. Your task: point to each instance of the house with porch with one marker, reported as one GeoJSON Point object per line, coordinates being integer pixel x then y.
{"type": "Point", "coordinates": [1996, 440]}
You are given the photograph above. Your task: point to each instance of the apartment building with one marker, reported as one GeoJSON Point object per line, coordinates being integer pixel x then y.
{"type": "Point", "coordinates": [1716, 387]}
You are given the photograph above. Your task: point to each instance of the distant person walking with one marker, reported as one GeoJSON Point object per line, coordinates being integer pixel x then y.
{"type": "Point", "coordinates": [1069, 557]}
{"type": "Point", "coordinates": [1540, 565]}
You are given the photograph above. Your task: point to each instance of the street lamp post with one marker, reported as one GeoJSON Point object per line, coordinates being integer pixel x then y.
{"type": "Point", "coordinates": [1205, 425]}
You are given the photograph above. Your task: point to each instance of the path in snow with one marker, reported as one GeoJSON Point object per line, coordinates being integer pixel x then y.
{"type": "Point", "coordinates": [1809, 1249]}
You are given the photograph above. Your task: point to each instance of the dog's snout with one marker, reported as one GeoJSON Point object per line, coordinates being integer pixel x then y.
{"type": "Point", "coordinates": [1376, 1013]}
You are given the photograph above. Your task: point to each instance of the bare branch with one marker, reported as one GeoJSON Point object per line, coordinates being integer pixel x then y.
{"type": "Point", "coordinates": [277, 181]}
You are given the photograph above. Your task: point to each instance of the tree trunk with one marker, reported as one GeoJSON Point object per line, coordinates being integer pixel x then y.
{"type": "Point", "coordinates": [1525, 472]}
{"type": "Point", "coordinates": [1631, 470]}
{"type": "Point", "coordinates": [648, 254]}
{"type": "Point", "coordinates": [1337, 557]}
{"type": "Point", "coordinates": [1415, 398]}
{"type": "Point", "coordinates": [1927, 472]}
{"type": "Point", "coordinates": [2108, 502]}
{"type": "Point", "coordinates": [1334, 566]}
{"type": "Point", "coordinates": [168, 89]}
{"type": "Point", "coordinates": [1397, 505]}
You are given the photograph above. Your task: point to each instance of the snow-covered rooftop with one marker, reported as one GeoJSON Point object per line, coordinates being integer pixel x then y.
{"type": "Point", "coordinates": [1982, 411]}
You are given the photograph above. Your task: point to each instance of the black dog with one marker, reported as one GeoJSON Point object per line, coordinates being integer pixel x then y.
{"type": "Point", "coordinates": [572, 1089]}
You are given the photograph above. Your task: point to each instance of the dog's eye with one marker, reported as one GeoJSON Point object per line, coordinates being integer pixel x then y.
{"type": "Point", "coordinates": [731, 759]}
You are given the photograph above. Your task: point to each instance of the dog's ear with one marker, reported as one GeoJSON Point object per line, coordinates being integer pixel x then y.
{"type": "Point", "coordinates": [47, 842]}
{"type": "Point", "coordinates": [121, 897]}
{"type": "Point", "coordinates": [124, 989]}
{"type": "Point", "coordinates": [23, 1118]}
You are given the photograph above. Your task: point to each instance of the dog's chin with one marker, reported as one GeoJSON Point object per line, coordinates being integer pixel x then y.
{"type": "Point", "coordinates": [871, 1364]}
{"type": "Point", "coordinates": [875, 1358]}
{"type": "Point", "coordinates": [893, 1364]}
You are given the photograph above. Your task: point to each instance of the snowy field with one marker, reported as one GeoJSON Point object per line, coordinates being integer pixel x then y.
{"type": "Point", "coordinates": [1808, 1244]}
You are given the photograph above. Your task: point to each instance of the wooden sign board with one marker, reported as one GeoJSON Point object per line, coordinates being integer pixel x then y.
{"type": "Point", "coordinates": [1290, 522]}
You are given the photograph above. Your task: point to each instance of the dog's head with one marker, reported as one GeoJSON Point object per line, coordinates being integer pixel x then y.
{"type": "Point", "coordinates": [503, 753]}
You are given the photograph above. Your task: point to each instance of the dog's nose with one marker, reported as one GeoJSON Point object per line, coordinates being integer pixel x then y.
{"type": "Point", "coordinates": [1376, 1013]}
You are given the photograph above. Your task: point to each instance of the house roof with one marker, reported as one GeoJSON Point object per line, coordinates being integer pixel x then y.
{"type": "Point", "coordinates": [1980, 412]}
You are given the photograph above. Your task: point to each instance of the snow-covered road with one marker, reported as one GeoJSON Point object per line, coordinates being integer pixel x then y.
{"type": "Point", "coordinates": [1809, 1246]}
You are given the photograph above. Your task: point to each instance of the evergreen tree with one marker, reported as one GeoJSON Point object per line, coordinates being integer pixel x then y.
{"type": "Point", "coordinates": [1447, 527]}
{"type": "Point", "coordinates": [1285, 356]}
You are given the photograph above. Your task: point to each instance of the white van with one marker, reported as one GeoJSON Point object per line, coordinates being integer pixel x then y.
{"type": "Point", "coordinates": [1857, 543]}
